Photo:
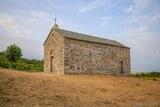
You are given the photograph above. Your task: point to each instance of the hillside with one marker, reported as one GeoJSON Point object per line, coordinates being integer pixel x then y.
{"type": "Point", "coordinates": [22, 64]}
{"type": "Point", "coordinates": [24, 89]}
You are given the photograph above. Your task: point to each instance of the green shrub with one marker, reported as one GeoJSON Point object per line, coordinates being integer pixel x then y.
{"type": "Point", "coordinates": [4, 64]}
{"type": "Point", "coordinates": [137, 75]}
{"type": "Point", "coordinates": [143, 74]}
{"type": "Point", "coordinates": [20, 67]}
{"type": "Point", "coordinates": [147, 74]}
{"type": "Point", "coordinates": [35, 68]}
{"type": "Point", "coordinates": [154, 79]}
{"type": "Point", "coordinates": [31, 65]}
{"type": "Point", "coordinates": [152, 74]}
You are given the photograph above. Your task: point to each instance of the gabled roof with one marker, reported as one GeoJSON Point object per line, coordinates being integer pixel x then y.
{"type": "Point", "coordinates": [89, 38]}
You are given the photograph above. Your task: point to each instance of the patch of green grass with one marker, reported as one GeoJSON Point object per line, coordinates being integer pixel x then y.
{"type": "Point", "coordinates": [151, 78]}
{"type": "Point", "coordinates": [155, 76]}
{"type": "Point", "coordinates": [23, 64]}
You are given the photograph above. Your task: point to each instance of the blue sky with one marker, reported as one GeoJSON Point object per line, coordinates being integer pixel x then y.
{"type": "Point", "coordinates": [135, 23]}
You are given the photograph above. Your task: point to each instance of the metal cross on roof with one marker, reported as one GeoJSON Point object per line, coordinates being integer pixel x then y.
{"type": "Point", "coordinates": [55, 20]}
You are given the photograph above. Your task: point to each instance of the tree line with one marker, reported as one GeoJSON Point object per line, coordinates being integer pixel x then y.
{"type": "Point", "coordinates": [11, 58]}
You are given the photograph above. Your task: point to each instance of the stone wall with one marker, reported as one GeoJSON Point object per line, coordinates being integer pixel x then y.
{"type": "Point", "coordinates": [54, 53]}
{"type": "Point", "coordinates": [88, 57]}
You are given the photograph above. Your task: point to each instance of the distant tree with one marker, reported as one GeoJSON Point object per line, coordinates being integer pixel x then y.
{"type": "Point", "coordinates": [42, 61]}
{"type": "Point", "coordinates": [3, 61]}
{"type": "Point", "coordinates": [2, 55]}
{"type": "Point", "coordinates": [13, 53]}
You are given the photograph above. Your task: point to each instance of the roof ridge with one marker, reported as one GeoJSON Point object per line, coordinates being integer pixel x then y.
{"type": "Point", "coordinates": [87, 35]}
{"type": "Point", "coordinates": [89, 38]}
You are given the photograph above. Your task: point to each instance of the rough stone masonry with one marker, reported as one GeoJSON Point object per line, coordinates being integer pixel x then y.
{"type": "Point", "coordinates": [67, 52]}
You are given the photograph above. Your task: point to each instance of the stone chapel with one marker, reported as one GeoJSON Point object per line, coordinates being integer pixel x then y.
{"type": "Point", "coordinates": [67, 52]}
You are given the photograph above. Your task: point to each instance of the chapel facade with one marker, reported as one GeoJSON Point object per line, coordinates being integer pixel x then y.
{"type": "Point", "coordinates": [67, 52]}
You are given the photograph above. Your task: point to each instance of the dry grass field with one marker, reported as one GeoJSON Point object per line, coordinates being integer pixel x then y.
{"type": "Point", "coordinates": [24, 89]}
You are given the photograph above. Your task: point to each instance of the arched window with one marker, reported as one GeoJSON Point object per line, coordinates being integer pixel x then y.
{"type": "Point", "coordinates": [51, 52]}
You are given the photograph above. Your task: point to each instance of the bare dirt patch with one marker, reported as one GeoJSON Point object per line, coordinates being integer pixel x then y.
{"type": "Point", "coordinates": [24, 89]}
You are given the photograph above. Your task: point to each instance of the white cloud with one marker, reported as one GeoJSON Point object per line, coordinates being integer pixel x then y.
{"type": "Point", "coordinates": [142, 35]}
{"type": "Point", "coordinates": [143, 6]}
{"type": "Point", "coordinates": [8, 23]}
{"type": "Point", "coordinates": [69, 26]}
{"type": "Point", "coordinates": [28, 29]}
{"type": "Point", "coordinates": [93, 5]}
{"type": "Point", "coordinates": [145, 50]}
{"type": "Point", "coordinates": [143, 15]}
{"type": "Point", "coordinates": [106, 20]}
{"type": "Point", "coordinates": [57, 6]}
{"type": "Point", "coordinates": [25, 24]}
{"type": "Point", "coordinates": [30, 48]}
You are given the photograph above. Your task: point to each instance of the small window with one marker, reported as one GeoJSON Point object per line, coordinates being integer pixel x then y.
{"type": "Point", "coordinates": [51, 52]}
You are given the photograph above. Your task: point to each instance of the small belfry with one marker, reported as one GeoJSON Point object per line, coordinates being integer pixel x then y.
{"type": "Point", "coordinates": [55, 24]}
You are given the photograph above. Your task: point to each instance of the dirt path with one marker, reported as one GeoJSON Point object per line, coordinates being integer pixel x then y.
{"type": "Point", "coordinates": [23, 89]}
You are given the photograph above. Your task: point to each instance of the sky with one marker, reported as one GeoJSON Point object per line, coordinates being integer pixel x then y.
{"type": "Point", "coordinates": [134, 23]}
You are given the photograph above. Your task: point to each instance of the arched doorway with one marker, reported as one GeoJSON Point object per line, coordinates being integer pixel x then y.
{"type": "Point", "coordinates": [121, 67]}
{"type": "Point", "coordinates": [51, 61]}
{"type": "Point", "coordinates": [52, 64]}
